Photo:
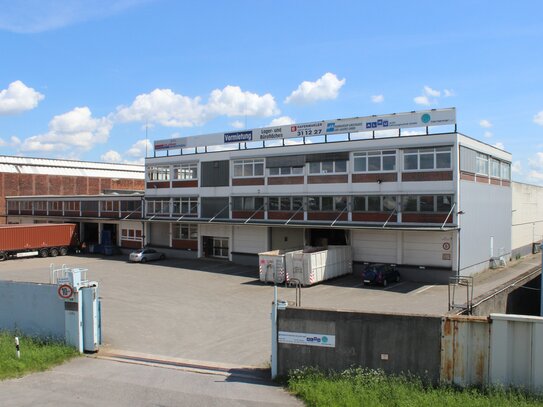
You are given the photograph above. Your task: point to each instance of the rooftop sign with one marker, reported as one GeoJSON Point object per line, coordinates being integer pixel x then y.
{"type": "Point", "coordinates": [424, 118]}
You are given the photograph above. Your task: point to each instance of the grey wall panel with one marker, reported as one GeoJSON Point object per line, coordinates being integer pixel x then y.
{"type": "Point", "coordinates": [468, 159]}
{"type": "Point", "coordinates": [215, 174]}
{"type": "Point", "coordinates": [160, 234]}
{"type": "Point", "coordinates": [286, 161]}
{"type": "Point", "coordinates": [212, 206]}
{"type": "Point", "coordinates": [327, 156]}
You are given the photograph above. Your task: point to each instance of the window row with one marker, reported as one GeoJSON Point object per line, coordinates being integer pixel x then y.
{"type": "Point", "coordinates": [179, 206]}
{"type": "Point", "coordinates": [489, 166]}
{"type": "Point", "coordinates": [185, 231]}
{"type": "Point", "coordinates": [179, 172]}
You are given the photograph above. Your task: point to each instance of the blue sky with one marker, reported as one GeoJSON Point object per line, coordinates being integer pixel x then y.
{"type": "Point", "coordinates": [79, 79]}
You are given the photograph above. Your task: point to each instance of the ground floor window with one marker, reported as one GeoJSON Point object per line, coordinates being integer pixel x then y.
{"type": "Point", "coordinates": [185, 231]}
{"type": "Point", "coordinates": [131, 234]}
{"type": "Point", "coordinates": [220, 247]}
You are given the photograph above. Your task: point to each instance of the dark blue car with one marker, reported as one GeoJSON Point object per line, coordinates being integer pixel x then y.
{"type": "Point", "coordinates": [380, 274]}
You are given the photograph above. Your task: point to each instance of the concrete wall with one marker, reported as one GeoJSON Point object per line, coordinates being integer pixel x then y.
{"type": "Point", "coordinates": [394, 343]}
{"type": "Point", "coordinates": [33, 309]}
{"type": "Point", "coordinates": [527, 217]}
{"type": "Point", "coordinates": [487, 214]}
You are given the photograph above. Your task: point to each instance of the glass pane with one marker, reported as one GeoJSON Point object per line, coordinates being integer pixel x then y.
{"type": "Point", "coordinates": [444, 203]}
{"type": "Point", "coordinates": [374, 203]}
{"type": "Point", "coordinates": [248, 169]}
{"type": "Point", "coordinates": [427, 203]}
{"type": "Point", "coordinates": [389, 163]}
{"type": "Point", "coordinates": [297, 170]}
{"type": "Point", "coordinates": [238, 170]}
{"type": "Point", "coordinates": [359, 203]}
{"type": "Point", "coordinates": [389, 203]}
{"type": "Point", "coordinates": [285, 170]}
{"type": "Point", "coordinates": [360, 164]}
{"type": "Point", "coordinates": [341, 166]}
{"type": "Point", "coordinates": [340, 202]}
{"type": "Point", "coordinates": [237, 203]}
{"type": "Point", "coordinates": [315, 168]}
{"type": "Point", "coordinates": [443, 160]}
{"type": "Point", "coordinates": [273, 204]}
{"type": "Point", "coordinates": [410, 162]}
{"type": "Point", "coordinates": [184, 232]}
{"type": "Point", "coordinates": [259, 169]}
{"type": "Point", "coordinates": [427, 161]}
{"type": "Point", "coordinates": [297, 202]}
{"type": "Point", "coordinates": [327, 203]}
{"type": "Point", "coordinates": [313, 203]}
{"type": "Point", "coordinates": [410, 204]}
{"type": "Point", "coordinates": [259, 203]}
{"type": "Point", "coordinates": [274, 171]}
{"type": "Point", "coordinates": [193, 232]}
{"type": "Point", "coordinates": [285, 204]}
{"type": "Point", "coordinates": [327, 166]}
{"type": "Point", "coordinates": [248, 203]}
{"type": "Point", "coordinates": [374, 163]}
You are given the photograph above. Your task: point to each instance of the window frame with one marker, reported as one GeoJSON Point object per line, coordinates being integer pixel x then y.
{"type": "Point", "coordinates": [179, 172]}
{"type": "Point", "coordinates": [435, 151]}
{"type": "Point", "coordinates": [435, 204]}
{"type": "Point", "coordinates": [382, 154]}
{"type": "Point", "coordinates": [253, 162]}
{"type": "Point", "coordinates": [334, 202]}
{"type": "Point", "coordinates": [382, 208]}
{"type": "Point", "coordinates": [326, 172]}
{"type": "Point", "coordinates": [158, 173]}
{"type": "Point", "coordinates": [190, 201]}
{"type": "Point", "coordinates": [190, 228]}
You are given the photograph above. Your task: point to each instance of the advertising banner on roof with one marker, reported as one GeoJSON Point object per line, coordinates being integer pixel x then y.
{"type": "Point", "coordinates": [425, 118]}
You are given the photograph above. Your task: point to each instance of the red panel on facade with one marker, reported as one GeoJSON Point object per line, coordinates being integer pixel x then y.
{"type": "Point", "coordinates": [467, 176]}
{"type": "Point", "coordinates": [162, 184]}
{"type": "Point", "coordinates": [20, 237]}
{"type": "Point", "coordinates": [428, 176]}
{"type": "Point", "coordinates": [326, 216]}
{"type": "Point", "coordinates": [185, 244]}
{"type": "Point", "coordinates": [372, 217]}
{"type": "Point", "coordinates": [131, 244]}
{"type": "Point", "coordinates": [328, 179]}
{"type": "Point", "coordinates": [285, 215]}
{"type": "Point", "coordinates": [247, 181]}
{"type": "Point", "coordinates": [482, 179]}
{"type": "Point", "coordinates": [247, 214]}
{"type": "Point", "coordinates": [185, 184]}
{"type": "Point", "coordinates": [425, 218]}
{"type": "Point", "coordinates": [374, 177]}
{"type": "Point", "coordinates": [285, 180]}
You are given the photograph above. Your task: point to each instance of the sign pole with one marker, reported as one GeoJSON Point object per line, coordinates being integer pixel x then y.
{"type": "Point", "coordinates": [274, 334]}
{"type": "Point", "coordinates": [541, 290]}
{"type": "Point", "coordinates": [17, 347]}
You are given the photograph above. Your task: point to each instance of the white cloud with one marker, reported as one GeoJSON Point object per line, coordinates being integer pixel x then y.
{"type": "Point", "coordinates": [237, 124]}
{"type": "Point", "coordinates": [431, 92]}
{"type": "Point", "coordinates": [325, 88]}
{"type": "Point", "coordinates": [499, 145]}
{"type": "Point", "coordinates": [485, 123]}
{"type": "Point", "coordinates": [538, 118]}
{"type": "Point", "coordinates": [281, 121]}
{"type": "Point", "coordinates": [422, 100]}
{"type": "Point", "coordinates": [170, 109]}
{"type": "Point", "coordinates": [71, 132]}
{"type": "Point", "coordinates": [448, 93]}
{"type": "Point", "coordinates": [516, 168]}
{"type": "Point", "coordinates": [488, 134]}
{"type": "Point", "coordinates": [535, 176]}
{"type": "Point", "coordinates": [27, 16]}
{"type": "Point", "coordinates": [377, 98]}
{"type": "Point", "coordinates": [140, 148]}
{"type": "Point", "coordinates": [111, 156]}
{"type": "Point", "coordinates": [536, 161]}
{"type": "Point", "coordinates": [18, 98]}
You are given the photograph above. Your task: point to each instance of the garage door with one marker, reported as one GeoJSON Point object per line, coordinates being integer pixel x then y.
{"type": "Point", "coordinates": [374, 246]}
{"type": "Point", "coordinates": [427, 249]}
{"type": "Point", "coordinates": [160, 234]}
{"type": "Point", "coordinates": [250, 239]}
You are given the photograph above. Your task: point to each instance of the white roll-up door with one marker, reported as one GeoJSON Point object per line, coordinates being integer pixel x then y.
{"type": "Point", "coordinates": [250, 239]}
{"type": "Point", "coordinates": [160, 234]}
{"type": "Point", "coordinates": [427, 249]}
{"type": "Point", "coordinates": [375, 246]}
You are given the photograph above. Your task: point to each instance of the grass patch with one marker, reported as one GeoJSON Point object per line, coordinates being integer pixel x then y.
{"type": "Point", "coordinates": [363, 387]}
{"type": "Point", "coordinates": [36, 355]}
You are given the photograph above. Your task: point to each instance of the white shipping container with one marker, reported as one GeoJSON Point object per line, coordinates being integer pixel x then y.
{"type": "Point", "coordinates": [313, 265]}
{"type": "Point", "coordinates": [271, 266]}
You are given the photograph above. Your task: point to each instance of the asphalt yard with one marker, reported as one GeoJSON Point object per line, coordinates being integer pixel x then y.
{"type": "Point", "coordinates": [211, 312]}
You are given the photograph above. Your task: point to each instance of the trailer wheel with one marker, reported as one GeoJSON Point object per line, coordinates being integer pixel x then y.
{"type": "Point", "coordinates": [53, 252]}
{"type": "Point", "coordinates": [63, 251]}
{"type": "Point", "coordinates": [43, 253]}
{"type": "Point", "coordinates": [3, 256]}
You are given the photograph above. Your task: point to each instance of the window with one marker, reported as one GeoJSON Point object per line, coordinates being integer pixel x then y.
{"type": "Point", "coordinates": [185, 171]}
{"type": "Point", "coordinates": [13, 205]}
{"type": "Point", "coordinates": [506, 171]}
{"type": "Point", "coordinates": [55, 206]}
{"type": "Point", "coordinates": [130, 206]}
{"type": "Point", "coordinates": [220, 247]}
{"type": "Point", "coordinates": [427, 158]}
{"type": "Point", "coordinates": [427, 203]}
{"type": "Point", "coordinates": [131, 234]}
{"type": "Point", "coordinates": [71, 206]}
{"type": "Point", "coordinates": [26, 205]}
{"type": "Point", "coordinates": [374, 203]}
{"type": "Point", "coordinates": [286, 171]}
{"type": "Point", "coordinates": [248, 168]}
{"type": "Point", "coordinates": [482, 164]}
{"type": "Point", "coordinates": [285, 203]}
{"type": "Point", "coordinates": [109, 206]}
{"type": "Point", "coordinates": [328, 167]}
{"type": "Point", "coordinates": [40, 205]}
{"type": "Point", "coordinates": [494, 168]}
{"type": "Point", "coordinates": [158, 206]}
{"type": "Point", "coordinates": [247, 203]}
{"type": "Point", "coordinates": [326, 203]}
{"type": "Point", "coordinates": [185, 231]}
{"type": "Point", "coordinates": [375, 161]}
{"type": "Point", "coordinates": [159, 173]}
{"type": "Point", "coordinates": [185, 205]}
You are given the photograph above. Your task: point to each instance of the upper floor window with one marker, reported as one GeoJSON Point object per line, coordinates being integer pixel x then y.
{"type": "Point", "coordinates": [26, 205]}
{"type": "Point", "coordinates": [185, 205]}
{"type": "Point", "coordinates": [494, 168]}
{"type": "Point", "coordinates": [71, 205]}
{"type": "Point", "coordinates": [13, 205]}
{"type": "Point", "coordinates": [427, 203]}
{"type": "Point", "coordinates": [185, 231]}
{"type": "Point", "coordinates": [286, 171]}
{"type": "Point", "coordinates": [374, 203]}
{"type": "Point", "coordinates": [158, 173]}
{"type": "Point", "coordinates": [109, 206]}
{"type": "Point", "coordinates": [375, 161]}
{"type": "Point", "coordinates": [285, 203]}
{"type": "Point", "coordinates": [40, 205]}
{"type": "Point", "coordinates": [185, 171]}
{"type": "Point", "coordinates": [427, 158]}
{"type": "Point", "coordinates": [130, 206]}
{"type": "Point", "coordinates": [506, 171]}
{"type": "Point", "coordinates": [158, 206]}
{"type": "Point", "coordinates": [326, 203]}
{"type": "Point", "coordinates": [55, 205]}
{"type": "Point", "coordinates": [482, 164]}
{"type": "Point", "coordinates": [247, 203]}
{"type": "Point", "coordinates": [249, 168]}
{"type": "Point", "coordinates": [328, 167]}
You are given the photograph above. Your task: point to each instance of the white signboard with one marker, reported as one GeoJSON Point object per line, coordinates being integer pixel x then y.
{"type": "Point", "coordinates": [425, 118]}
{"type": "Point", "coordinates": [298, 338]}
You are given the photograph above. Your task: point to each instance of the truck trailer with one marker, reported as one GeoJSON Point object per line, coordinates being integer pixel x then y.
{"type": "Point", "coordinates": [42, 240]}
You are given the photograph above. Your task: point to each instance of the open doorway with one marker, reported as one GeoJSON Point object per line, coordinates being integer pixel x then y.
{"type": "Point", "coordinates": [215, 247]}
{"type": "Point", "coordinates": [325, 237]}
{"type": "Point", "coordinates": [109, 234]}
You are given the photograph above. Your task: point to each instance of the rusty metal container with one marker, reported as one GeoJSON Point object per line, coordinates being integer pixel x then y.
{"type": "Point", "coordinates": [28, 237]}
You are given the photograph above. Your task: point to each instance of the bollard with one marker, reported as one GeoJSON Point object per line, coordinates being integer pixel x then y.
{"type": "Point", "coordinates": [17, 347]}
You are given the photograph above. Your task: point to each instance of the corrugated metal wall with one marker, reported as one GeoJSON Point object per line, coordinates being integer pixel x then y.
{"type": "Point", "coordinates": [215, 174]}
{"type": "Point", "coordinates": [468, 160]}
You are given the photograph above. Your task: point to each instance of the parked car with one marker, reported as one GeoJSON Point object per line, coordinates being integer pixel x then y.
{"type": "Point", "coordinates": [381, 274]}
{"type": "Point", "coordinates": [145, 255]}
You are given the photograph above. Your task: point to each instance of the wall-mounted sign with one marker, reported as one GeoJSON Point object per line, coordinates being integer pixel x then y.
{"type": "Point", "coordinates": [308, 339]}
{"type": "Point", "coordinates": [65, 291]}
{"type": "Point", "coordinates": [425, 118]}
